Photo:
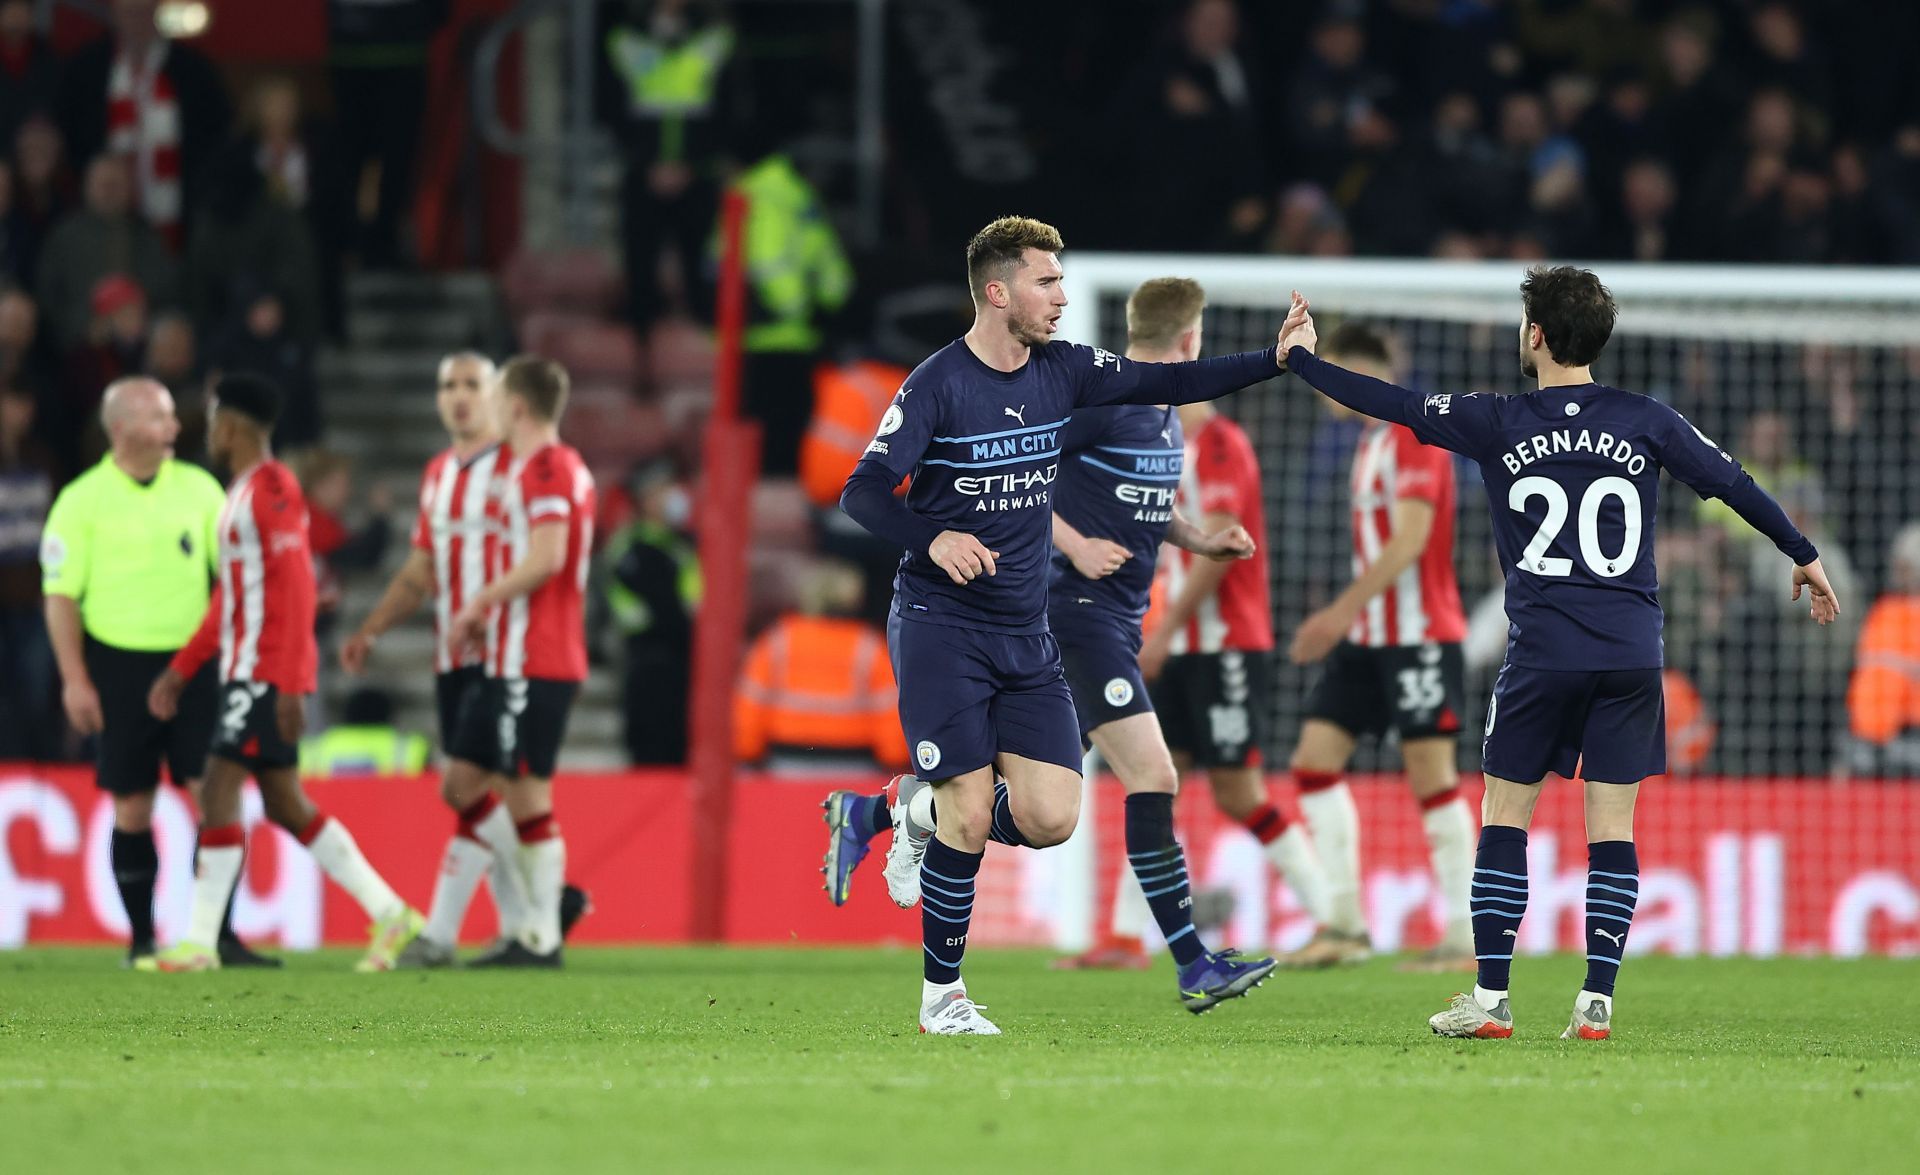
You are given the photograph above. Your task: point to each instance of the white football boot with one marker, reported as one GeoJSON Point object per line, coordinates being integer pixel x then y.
{"type": "Point", "coordinates": [952, 1014]}
{"type": "Point", "coordinates": [909, 845]}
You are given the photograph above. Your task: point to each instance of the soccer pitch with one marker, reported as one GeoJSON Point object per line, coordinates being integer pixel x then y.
{"type": "Point", "coordinates": [803, 1060]}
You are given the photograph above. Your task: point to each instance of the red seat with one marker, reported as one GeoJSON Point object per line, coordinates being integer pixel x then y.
{"type": "Point", "coordinates": [590, 349]}
{"type": "Point", "coordinates": [781, 517]}
{"type": "Point", "coordinates": [584, 281]}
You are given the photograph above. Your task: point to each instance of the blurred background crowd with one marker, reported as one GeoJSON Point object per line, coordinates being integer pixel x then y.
{"type": "Point", "coordinates": [312, 204]}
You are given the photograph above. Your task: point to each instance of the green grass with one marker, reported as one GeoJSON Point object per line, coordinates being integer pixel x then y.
{"type": "Point", "coordinates": [695, 1059]}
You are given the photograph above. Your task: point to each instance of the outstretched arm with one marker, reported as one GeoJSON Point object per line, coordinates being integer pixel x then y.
{"type": "Point", "coordinates": [1112, 379]}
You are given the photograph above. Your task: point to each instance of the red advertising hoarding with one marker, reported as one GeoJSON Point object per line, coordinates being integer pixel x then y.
{"type": "Point", "coordinates": [1728, 868]}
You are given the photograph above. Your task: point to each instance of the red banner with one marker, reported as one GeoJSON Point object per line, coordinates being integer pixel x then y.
{"type": "Point", "coordinates": [1728, 868]}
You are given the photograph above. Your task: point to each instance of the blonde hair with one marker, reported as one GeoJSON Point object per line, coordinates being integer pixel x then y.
{"type": "Point", "coordinates": [1163, 309]}
{"type": "Point", "coordinates": [998, 249]}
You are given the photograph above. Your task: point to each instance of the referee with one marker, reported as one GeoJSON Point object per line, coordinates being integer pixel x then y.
{"type": "Point", "coordinates": [128, 558]}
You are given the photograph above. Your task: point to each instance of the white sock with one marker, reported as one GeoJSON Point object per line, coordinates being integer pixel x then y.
{"type": "Point", "coordinates": [1336, 834]}
{"type": "Point", "coordinates": [461, 869]}
{"type": "Point", "coordinates": [545, 865]}
{"type": "Point", "coordinates": [213, 884]}
{"type": "Point", "coordinates": [1486, 998]}
{"type": "Point", "coordinates": [920, 810]}
{"type": "Point", "coordinates": [1293, 854]}
{"type": "Point", "coordinates": [1450, 846]}
{"type": "Point", "coordinates": [504, 877]}
{"type": "Point", "coordinates": [1130, 909]}
{"type": "Point", "coordinates": [931, 991]}
{"type": "Point", "coordinates": [339, 857]}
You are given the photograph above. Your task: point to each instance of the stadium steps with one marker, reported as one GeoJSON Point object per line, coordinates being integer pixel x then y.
{"type": "Point", "coordinates": [380, 411]}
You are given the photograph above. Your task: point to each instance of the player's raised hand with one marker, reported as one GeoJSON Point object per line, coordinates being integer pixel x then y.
{"type": "Point", "coordinates": [163, 699]}
{"type": "Point", "coordinates": [1813, 577]}
{"type": "Point", "coordinates": [353, 654]}
{"type": "Point", "coordinates": [1098, 558]}
{"type": "Point", "coordinates": [963, 557]}
{"type": "Point", "coordinates": [1298, 329]}
{"type": "Point", "coordinates": [1224, 546]}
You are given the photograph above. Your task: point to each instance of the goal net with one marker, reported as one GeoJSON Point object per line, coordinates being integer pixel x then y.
{"type": "Point", "coordinates": [1811, 377]}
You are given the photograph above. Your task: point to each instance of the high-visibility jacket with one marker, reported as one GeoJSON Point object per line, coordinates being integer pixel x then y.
{"type": "Point", "coordinates": [818, 684]}
{"type": "Point", "coordinates": [848, 401]}
{"type": "Point", "coordinates": [795, 267]}
{"type": "Point", "coordinates": [1690, 730]}
{"type": "Point", "coordinates": [362, 750]}
{"type": "Point", "coordinates": [1883, 699]}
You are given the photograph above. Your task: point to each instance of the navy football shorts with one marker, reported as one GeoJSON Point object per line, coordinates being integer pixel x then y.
{"type": "Point", "coordinates": [967, 695]}
{"type": "Point", "coordinates": [1102, 659]}
{"type": "Point", "coordinates": [1611, 725]}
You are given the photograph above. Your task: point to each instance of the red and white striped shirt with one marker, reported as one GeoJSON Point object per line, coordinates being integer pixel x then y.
{"type": "Point", "coordinates": [1221, 476]}
{"type": "Point", "coordinates": [260, 619]}
{"type": "Point", "coordinates": [542, 634]}
{"type": "Point", "coordinates": [452, 527]}
{"type": "Point", "coordinates": [1422, 605]}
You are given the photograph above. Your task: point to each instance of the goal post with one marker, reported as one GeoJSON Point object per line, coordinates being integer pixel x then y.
{"type": "Point", "coordinates": [1811, 376]}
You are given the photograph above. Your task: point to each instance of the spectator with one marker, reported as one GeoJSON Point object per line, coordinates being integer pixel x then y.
{"type": "Point", "coordinates": [1647, 199]}
{"type": "Point", "coordinates": [797, 276]}
{"type": "Point", "coordinates": [1747, 196]}
{"type": "Point", "coordinates": [817, 690]}
{"type": "Point", "coordinates": [256, 338]}
{"type": "Point", "coordinates": [364, 744]}
{"type": "Point", "coordinates": [296, 167]}
{"type": "Point", "coordinates": [1883, 699]}
{"type": "Point", "coordinates": [42, 192]}
{"type": "Point", "coordinates": [103, 237]}
{"type": "Point", "coordinates": [29, 690]}
{"type": "Point", "coordinates": [24, 362]}
{"type": "Point", "coordinates": [326, 478]}
{"type": "Point", "coordinates": [653, 593]}
{"type": "Point", "coordinates": [1699, 100]}
{"type": "Point", "coordinates": [29, 70]}
{"type": "Point", "coordinates": [1338, 104]}
{"type": "Point", "coordinates": [1593, 37]}
{"type": "Point", "coordinates": [1547, 170]}
{"type": "Point", "coordinates": [1192, 147]}
{"type": "Point", "coordinates": [1875, 214]}
{"type": "Point", "coordinates": [115, 346]}
{"type": "Point", "coordinates": [668, 86]}
{"type": "Point", "coordinates": [173, 358]}
{"type": "Point", "coordinates": [1783, 57]}
{"type": "Point", "coordinates": [244, 239]}
{"type": "Point", "coordinates": [153, 101]}
{"type": "Point", "coordinates": [378, 58]}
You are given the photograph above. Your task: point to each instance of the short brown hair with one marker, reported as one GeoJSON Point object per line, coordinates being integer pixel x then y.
{"type": "Point", "coordinates": [1574, 310]}
{"type": "Point", "coordinates": [542, 383]}
{"type": "Point", "coordinates": [996, 250]}
{"type": "Point", "coordinates": [1162, 309]}
{"type": "Point", "coordinates": [1357, 340]}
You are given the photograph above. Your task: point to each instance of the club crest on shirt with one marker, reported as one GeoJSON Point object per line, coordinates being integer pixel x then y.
{"type": "Point", "coordinates": [927, 755]}
{"type": "Point", "coordinates": [891, 421]}
{"type": "Point", "coordinates": [1119, 692]}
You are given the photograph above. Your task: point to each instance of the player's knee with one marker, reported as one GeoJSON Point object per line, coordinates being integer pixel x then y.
{"type": "Point", "coordinates": [133, 813]}
{"type": "Point", "coordinates": [966, 826]}
{"type": "Point", "coordinates": [1310, 760]}
{"type": "Point", "coordinates": [1051, 821]}
{"type": "Point", "coordinates": [289, 812]}
{"type": "Point", "coordinates": [460, 789]}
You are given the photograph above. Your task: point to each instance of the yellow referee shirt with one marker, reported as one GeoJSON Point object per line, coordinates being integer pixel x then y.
{"type": "Point", "coordinates": [139, 559]}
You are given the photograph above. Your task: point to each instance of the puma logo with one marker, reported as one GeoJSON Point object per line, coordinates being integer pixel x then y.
{"type": "Point", "coordinates": [1510, 933]}
{"type": "Point", "coordinates": [1615, 939]}
{"type": "Point", "coordinates": [1020, 416]}
{"type": "Point", "coordinates": [1166, 436]}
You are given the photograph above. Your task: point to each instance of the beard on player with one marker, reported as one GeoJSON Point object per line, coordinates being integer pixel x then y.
{"type": "Point", "coordinates": [1032, 331]}
{"type": "Point", "coordinates": [1528, 367]}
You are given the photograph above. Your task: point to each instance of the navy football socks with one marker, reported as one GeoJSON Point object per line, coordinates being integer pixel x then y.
{"type": "Point", "coordinates": [1161, 868]}
{"type": "Point", "coordinates": [136, 865]}
{"type": "Point", "coordinates": [1004, 830]}
{"type": "Point", "coordinates": [1613, 890]}
{"type": "Point", "coordinates": [946, 908]}
{"type": "Point", "coordinates": [1499, 900]}
{"type": "Point", "coordinates": [871, 815]}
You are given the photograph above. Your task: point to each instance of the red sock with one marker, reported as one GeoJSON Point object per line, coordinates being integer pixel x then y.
{"type": "Point", "coordinates": [1313, 781]}
{"type": "Point", "coordinates": [1267, 822]}
{"type": "Point", "coordinates": [1440, 799]}
{"type": "Point", "coordinates": [471, 816]}
{"type": "Point", "coordinates": [537, 828]}
{"type": "Point", "coordinates": [223, 836]}
{"type": "Point", "coordinates": [305, 835]}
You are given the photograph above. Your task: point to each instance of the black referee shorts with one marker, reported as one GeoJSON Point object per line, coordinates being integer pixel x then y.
{"type": "Point", "coordinates": [132, 742]}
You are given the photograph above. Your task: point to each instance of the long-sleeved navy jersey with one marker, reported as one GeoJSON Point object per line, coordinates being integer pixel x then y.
{"type": "Point", "coordinates": [1572, 476]}
{"type": "Point", "coordinates": [1121, 468]}
{"type": "Point", "coordinates": [983, 447]}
